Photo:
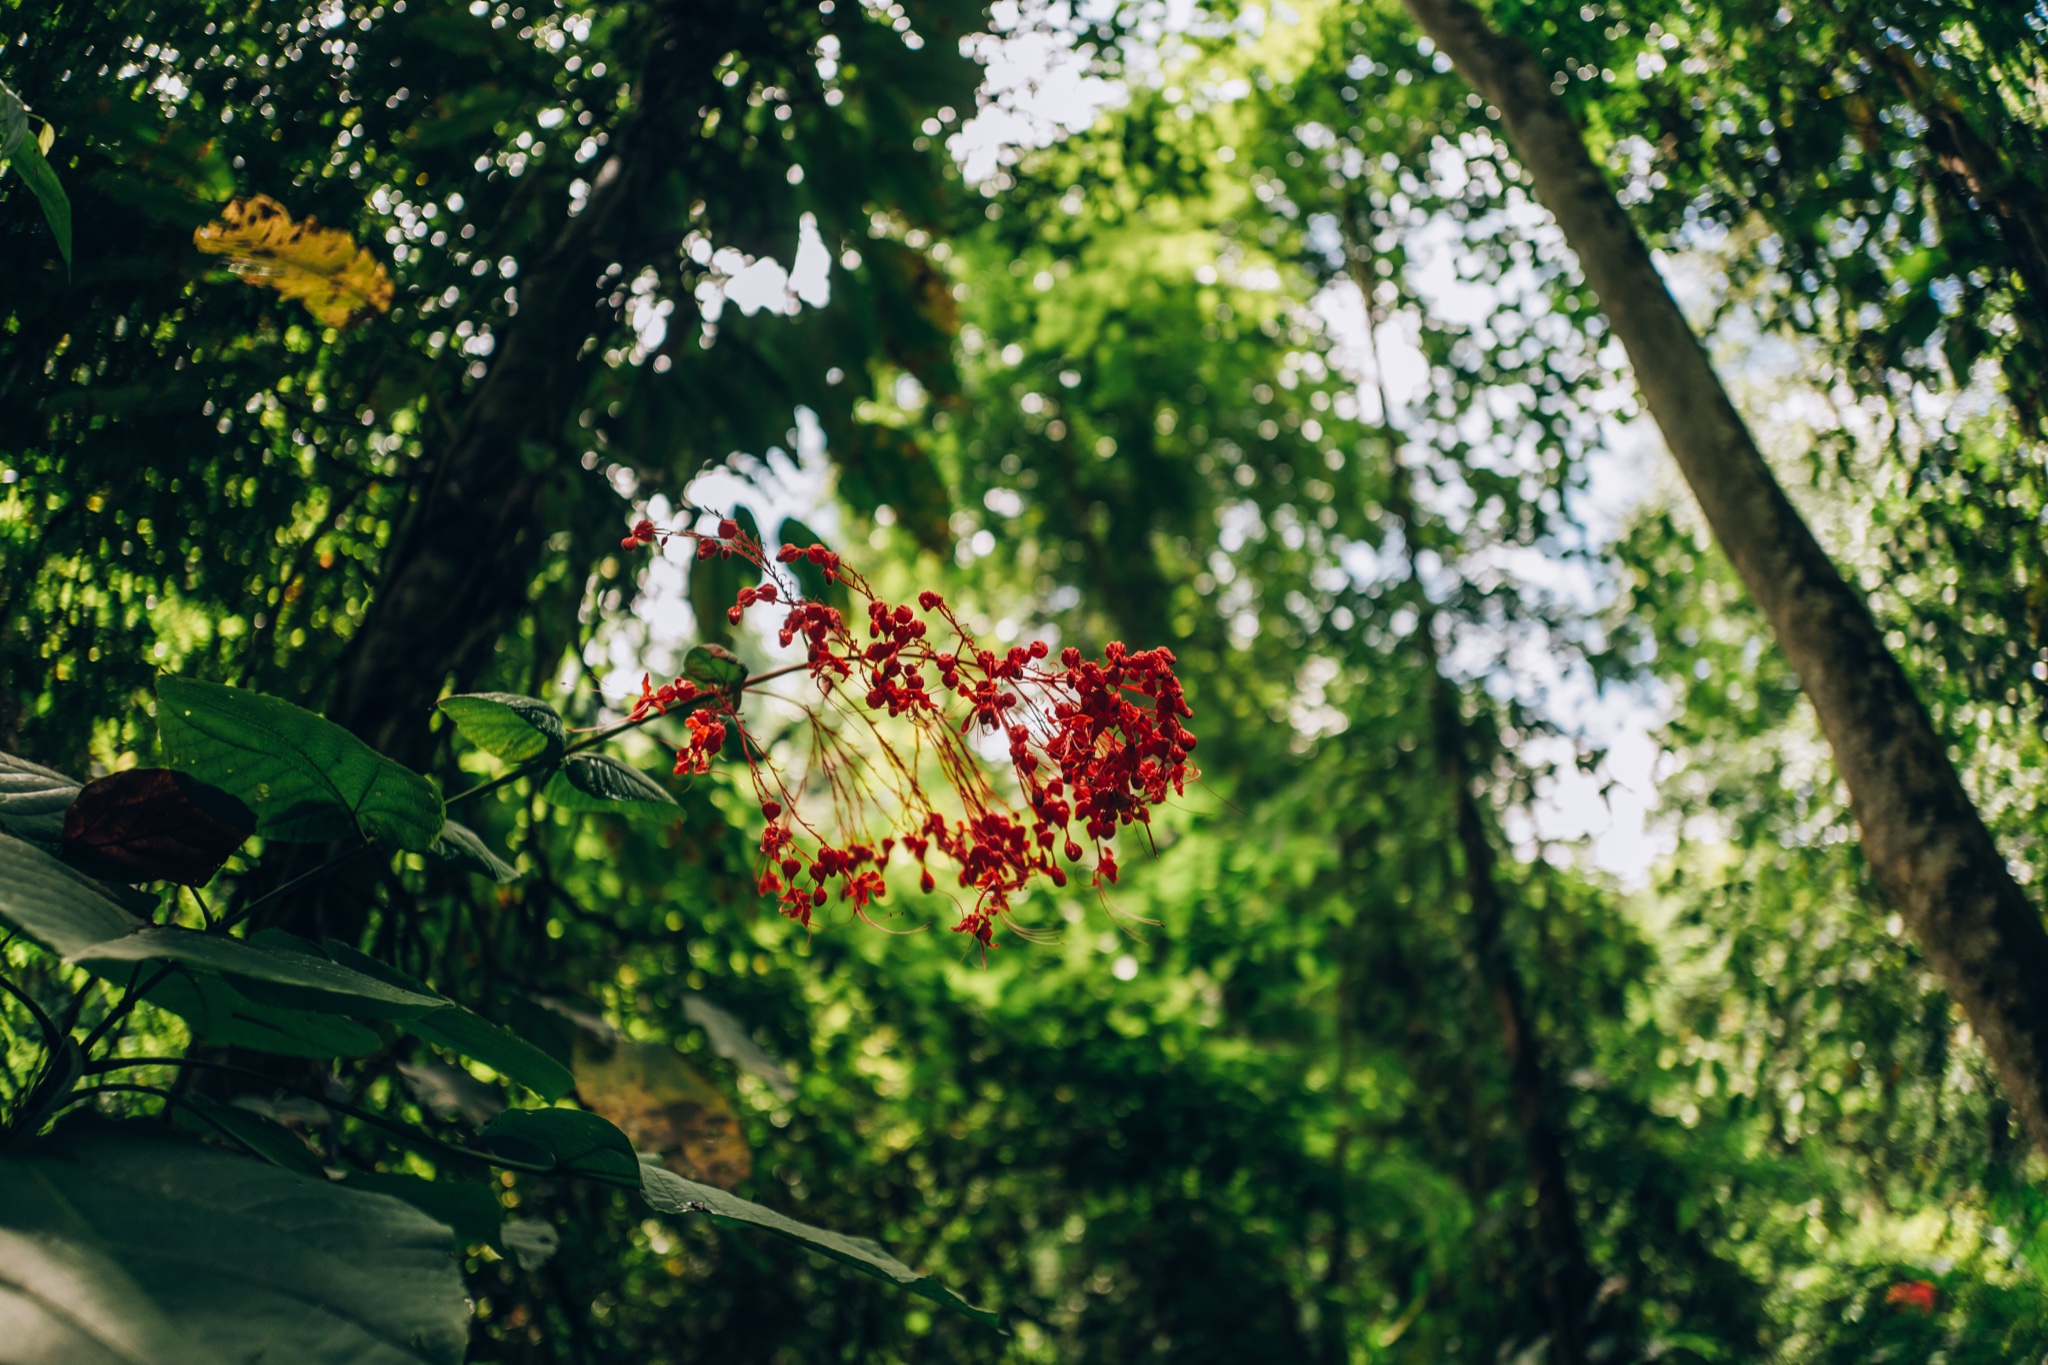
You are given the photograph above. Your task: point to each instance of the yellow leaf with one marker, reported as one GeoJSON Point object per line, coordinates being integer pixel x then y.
{"type": "Point", "coordinates": [663, 1105]}
{"type": "Point", "coordinates": [323, 268]}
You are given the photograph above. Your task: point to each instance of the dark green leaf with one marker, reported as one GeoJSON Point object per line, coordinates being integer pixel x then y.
{"type": "Point", "coordinates": [571, 1140]}
{"type": "Point", "coordinates": [265, 1137]}
{"type": "Point", "coordinates": [449, 1092]}
{"type": "Point", "coordinates": [461, 844]}
{"type": "Point", "coordinates": [715, 584]}
{"type": "Point", "coordinates": [221, 1016]}
{"type": "Point", "coordinates": [62, 909]}
{"type": "Point", "coordinates": [131, 1244]}
{"type": "Point", "coordinates": [670, 1193]}
{"type": "Point", "coordinates": [730, 1040]}
{"type": "Point", "coordinates": [529, 1241]}
{"type": "Point", "coordinates": [515, 728]}
{"type": "Point", "coordinates": [470, 1209]}
{"type": "Point", "coordinates": [715, 667]}
{"type": "Point", "coordinates": [810, 578]}
{"type": "Point", "coordinates": [266, 973]}
{"type": "Point", "coordinates": [18, 147]}
{"type": "Point", "coordinates": [66, 1299]}
{"type": "Point", "coordinates": [307, 778]}
{"type": "Point", "coordinates": [33, 799]}
{"type": "Point", "coordinates": [466, 1033]}
{"type": "Point", "coordinates": [594, 782]}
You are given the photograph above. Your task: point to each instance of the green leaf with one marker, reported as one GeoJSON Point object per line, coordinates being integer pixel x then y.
{"type": "Point", "coordinates": [668, 1192]}
{"type": "Point", "coordinates": [469, 1209]}
{"type": "Point", "coordinates": [715, 667]}
{"type": "Point", "coordinates": [33, 800]}
{"type": "Point", "coordinates": [307, 778]}
{"type": "Point", "coordinates": [267, 1138]}
{"type": "Point", "coordinates": [65, 911]}
{"type": "Point", "coordinates": [715, 583]}
{"type": "Point", "coordinates": [810, 579]}
{"type": "Point", "coordinates": [265, 973]}
{"type": "Point", "coordinates": [221, 1016]}
{"type": "Point", "coordinates": [515, 728]}
{"type": "Point", "coordinates": [594, 782]}
{"type": "Point", "coordinates": [123, 1246]}
{"type": "Point", "coordinates": [730, 1040]}
{"type": "Point", "coordinates": [468, 1034]}
{"type": "Point", "coordinates": [572, 1141]}
{"type": "Point", "coordinates": [71, 1301]}
{"type": "Point", "coordinates": [25, 153]}
{"type": "Point", "coordinates": [461, 844]}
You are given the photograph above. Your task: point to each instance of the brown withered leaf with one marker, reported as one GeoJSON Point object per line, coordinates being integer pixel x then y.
{"type": "Point", "coordinates": [153, 824]}
{"type": "Point", "coordinates": [665, 1106]}
{"type": "Point", "coordinates": [323, 268]}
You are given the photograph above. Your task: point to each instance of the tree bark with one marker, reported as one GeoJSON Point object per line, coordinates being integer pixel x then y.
{"type": "Point", "coordinates": [1568, 1279]}
{"type": "Point", "coordinates": [466, 561]}
{"type": "Point", "coordinates": [1928, 847]}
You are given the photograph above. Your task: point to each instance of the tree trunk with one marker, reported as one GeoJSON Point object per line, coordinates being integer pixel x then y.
{"type": "Point", "coordinates": [1928, 847]}
{"type": "Point", "coordinates": [1568, 1279]}
{"type": "Point", "coordinates": [466, 561]}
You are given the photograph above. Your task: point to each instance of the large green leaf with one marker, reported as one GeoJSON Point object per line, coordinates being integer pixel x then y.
{"type": "Point", "coordinates": [64, 1299]}
{"type": "Point", "coordinates": [65, 911]}
{"type": "Point", "coordinates": [307, 778]}
{"type": "Point", "coordinates": [573, 1141]}
{"type": "Point", "coordinates": [221, 1016]}
{"type": "Point", "coordinates": [127, 1246]}
{"type": "Point", "coordinates": [670, 1193]}
{"type": "Point", "coordinates": [265, 973]}
{"type": "Point", "coordinates": [594, 782]}
{"type": "Point", "coordinates": [515, 728]}
{"type": "Point", "coordinates": [33, 799]}
{"type": "Point", "coordinates": [466, 1033]}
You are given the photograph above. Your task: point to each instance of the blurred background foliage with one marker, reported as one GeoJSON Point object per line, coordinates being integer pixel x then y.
{"type": "Point", "coordinates": [1275, 363]}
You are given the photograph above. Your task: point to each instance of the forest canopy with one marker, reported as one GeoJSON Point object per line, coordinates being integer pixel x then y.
{"type": "Point", "coordinates": [917, 681]}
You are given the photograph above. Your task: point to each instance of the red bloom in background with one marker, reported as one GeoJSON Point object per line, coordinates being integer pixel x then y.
{"type": "Point", "coordinates": [1094, 745]}
{"type": "Point", "coordinates": [1917, 1295]}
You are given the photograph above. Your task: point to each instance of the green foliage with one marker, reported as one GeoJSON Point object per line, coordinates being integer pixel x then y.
{"type": "Point", "coordinates": [466, 1034]}
{"type": "Point", "coordinates": [27, 153]}
{"type": "Point", "coordinates": [33, 799]}
{"type": "Point", "coordinates": [565, 1140]}
{"type": "Point", "coordinates": [670, 1193]}
{"type": "Point", "coordinates": [516, 729]}
{"type": "Point", "coordinates": [310, 779]}
{"type": "Point", "coordinates": [1254, 1102]}
{"type": "Point", "coordinates": [596, 782]}
{"type": "Point", "coordinates": [130, 1247]}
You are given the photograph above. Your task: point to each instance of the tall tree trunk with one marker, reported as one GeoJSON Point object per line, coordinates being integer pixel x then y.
{"type": "Point", "coordinates": [463, 568]}
{"type": "Point", "coordinates": [1568, 1279]}
{"type": "Point", "coordinates": [1927, 845]}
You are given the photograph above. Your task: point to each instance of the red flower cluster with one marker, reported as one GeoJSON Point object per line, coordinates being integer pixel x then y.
{"type": "Point", "coordinates": [1918, 1295]}
{"type": "Point", "coordinates": [1093, 744]}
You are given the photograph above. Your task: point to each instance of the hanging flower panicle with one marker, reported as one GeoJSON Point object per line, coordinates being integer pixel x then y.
{"type": "Point", "coordinates": [1095, 744]}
